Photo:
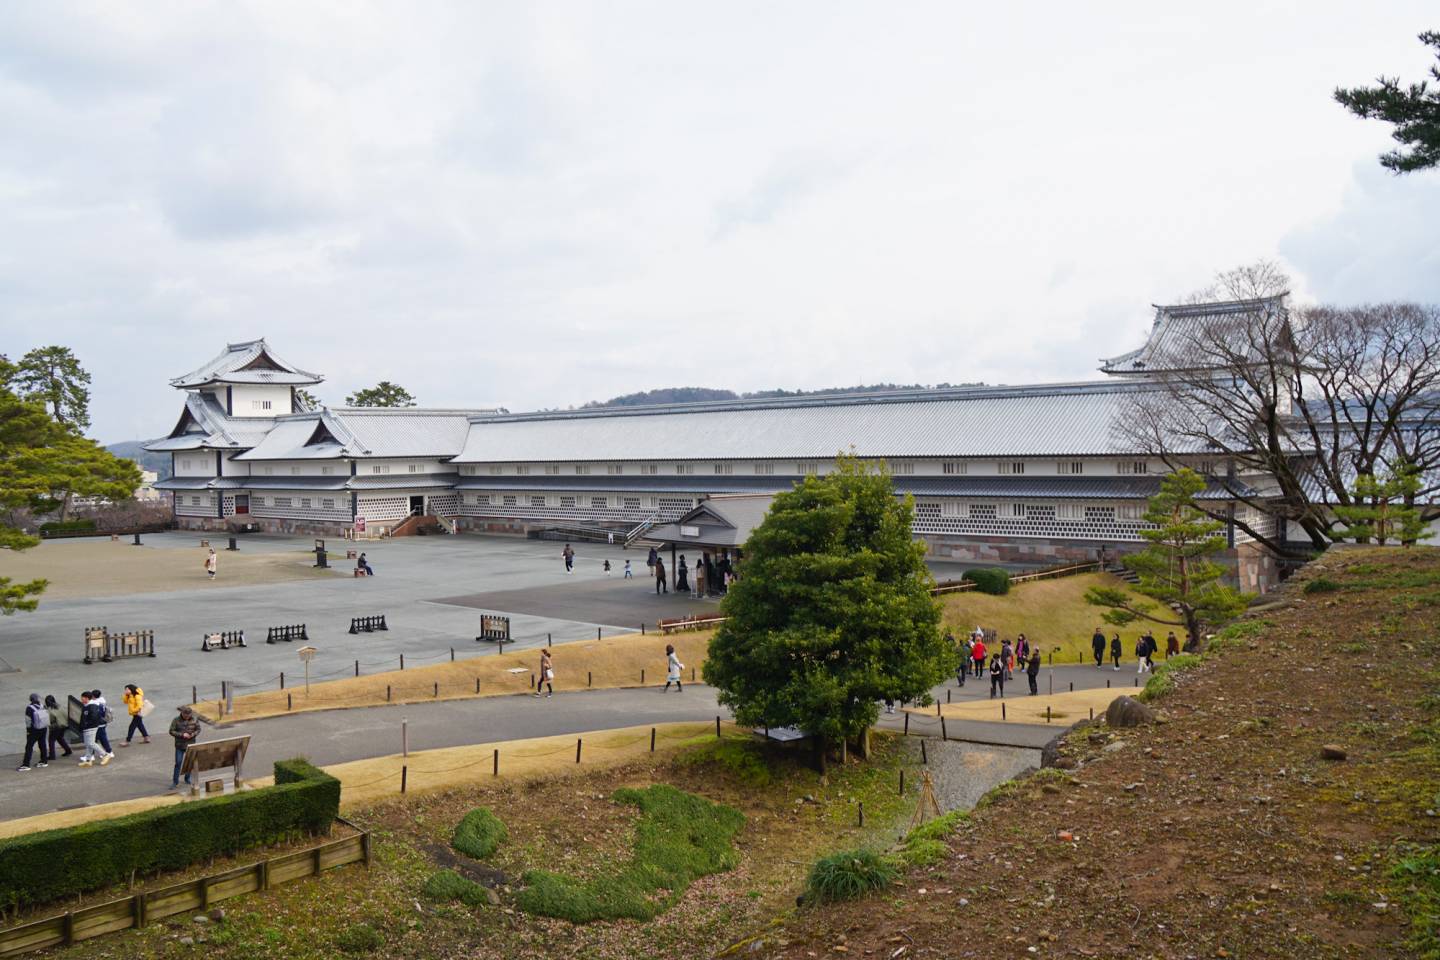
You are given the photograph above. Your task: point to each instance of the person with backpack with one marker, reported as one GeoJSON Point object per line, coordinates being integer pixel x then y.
{"type": "Point", "coordinates": [184, 730]}
{"type": "Point", "coordinates": [37, 727]}
{"type": "Point", "coordinates": [1032, 671]}
{"type": "Point", "coordinates": [1097, 647]}
{"type": "Point", "coordinates": [102, 734]}
{"type": "Point", "coordinates": [91, 715]}
{"type": "Point", "coordinates": [58, 725]}
{"type": "Point", "coordinates": [1116, 650]}
{"type": "Point", "coordinates": [997, 676]}
{"type": "Point", "coordinates": [547, 675]}
{"type": "Point", "coordinates": [963, 667]}
{"type": "Point", "coordinates": [134, 699]}
{"type": "Point", "coordinates": [673, 666]}
{"type": "Point", "coordinates": [660, 585]}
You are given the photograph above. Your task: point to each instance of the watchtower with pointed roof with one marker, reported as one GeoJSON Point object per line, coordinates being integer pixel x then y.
{"type": "Point", "coordinates": [248, 380]}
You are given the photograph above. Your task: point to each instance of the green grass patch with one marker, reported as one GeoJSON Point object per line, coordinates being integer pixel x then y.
{"type": "Point", "coordinates": [848, 875]}
{"type": "Point", "coordinates": [360, 938]}
{"type": "Point", "coordinates": [742, 759]}
{"type": "Point", "coordinates": [679, 838]}
{"type": "Point", "coordinates": [1321, 585]}
{"type": "Point", "coordinates": [1162, 681]}
{"type": "Point", "coordinates": [447, 885]}
{"type": "Point", "coordinates": [1415, 885]}
{"type": "Point", "coordinates": [925, 845]}
{"type": "Point", "coordinates": [478, 834]}
{"type": "Point", "coordinates": [1354, 646]}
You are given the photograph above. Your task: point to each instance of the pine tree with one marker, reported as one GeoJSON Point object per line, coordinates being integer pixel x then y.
{"type": "Point", "coordinates": [1414, 110]}
{"type": "Point", "coordinates": [383, 394]}
{"type": "Point", "coordinates": [833, 612]}
{"type": "Point", "coordinates": [1383, 510]}
{"type": "Point", "coordinates": [1175, 568]}
{"type": "Point", "coordinates": [54, 375]}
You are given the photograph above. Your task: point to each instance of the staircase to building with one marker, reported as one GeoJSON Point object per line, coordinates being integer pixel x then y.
{"type": "Point", "coordinates": [641, 528]}
{"type": "Point", "coordinates": [418, 525]}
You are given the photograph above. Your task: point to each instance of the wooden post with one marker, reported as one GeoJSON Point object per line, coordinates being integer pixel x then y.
{"type": "Point", "coordinates": [860, 806]}
{"type": "Point", "coordinates": [943, 734]}
{"type": "Point", "coordinates": [642, 676]}
{"type": "Point", "coordinates": [902, 782]}
{"type": "Point", "coordinates": [137, 910]}
{"type": "Point", "coordinates": [357, 668]}
{"type": "Point", "coordinates": [907, 723]}
{"type": "Point", "coordinates": [947, 695]}
{"type": "Point", "coordinates": [1072, 686]}
{"type": "Point", "coordinates": [497, 762]}
{"type": "Point", "coordinates": [289, 701]}
{"type": "Point", "coordinates": [937, 708]}
{"type": "Point", "coordinates": [68, 927]}
{"type": "Point", "coordinates": [205, 893]}
{"type": "Point", "coordinates": [404, 776]}
{"type": "Point", "coordinates": [194, 698]}
{"type": "Point", "coordinates": [452, 654]}
{"type": "Point", "coordinates": [597, 633]}
{"type": "Point", "coordinates": [282, 679]}
{"type": "Point", "coordinates": [364, 847]}
{"type": "Point", "coordinates": [402, 661]}
{"type": "Point", "coordinates": [717, 728]}
{"type": "Point", "coordinates": [477, 684]}
{"type": "Point", "coordinates": [577, 749]}
{"type": "Point", "coordinates": [1092, 713]}
{"type": "Point", "coordinates": [642, 629]}
{"type": "Point", "coordinates": [692, 674]}
{"type": "Point", "coordinates": [652, 739]}
{"type": "Point", "coordinates": [318, 864]}
{"type": "Point", "coordinates": [589, 678]}
{"type": "Point", "coordinates": [437, 688]}
{"type": "Point", "coordinates": [924, 756]}
{"type": "Point", "coordinates": [264, 881]}
{"type": "Point", "coordinates": [1047, 713]}
{"type": "Point", "coordinates": [1002, 709]}
{"type": "Point", "coordinates": [387, 693]}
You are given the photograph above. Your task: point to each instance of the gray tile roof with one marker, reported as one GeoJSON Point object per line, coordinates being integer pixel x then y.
{"type": "Point", "coordinates": [1073, 419]}
{"type": "Point", "coordinates": [718, 522]}
{"type": "Point", "coordinates": [1176, 328]}
{"type": "Point", "coordinates": [252, 361]}
{"type": "Point", "coordinates": [366, 432]}
{"type": "Point", "coordinates": [204, 424]}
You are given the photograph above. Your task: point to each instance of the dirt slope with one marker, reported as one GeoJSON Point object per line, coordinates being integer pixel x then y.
{"type": "Point", "coordinates": [1220, 831]}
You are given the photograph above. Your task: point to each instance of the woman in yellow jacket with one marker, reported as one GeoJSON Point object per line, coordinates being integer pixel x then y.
{"type": "Point", "coordinates": [134, 699]}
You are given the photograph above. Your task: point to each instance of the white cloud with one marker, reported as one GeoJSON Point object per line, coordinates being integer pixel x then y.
{"type": "Point", "coordinates": [544, 204]}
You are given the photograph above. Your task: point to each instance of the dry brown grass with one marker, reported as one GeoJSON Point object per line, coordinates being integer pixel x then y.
{"type": "Point", "coordinates": [1051, 613]}
{"type": "Point", "coordinates": [104, 568]}
{"type": "Point", "coordinates": [612, 662]}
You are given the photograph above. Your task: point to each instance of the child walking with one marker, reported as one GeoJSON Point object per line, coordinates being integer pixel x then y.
{"type": "Point", "coordinates": [673, 666]}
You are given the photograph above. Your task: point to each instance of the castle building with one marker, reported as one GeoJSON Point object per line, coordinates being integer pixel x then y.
{"type": "Point", "coordinates": [1030, 475]}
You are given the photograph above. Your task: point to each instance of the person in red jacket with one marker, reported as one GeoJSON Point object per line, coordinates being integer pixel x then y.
{"type": "Point", "coordinates": [977, 656]}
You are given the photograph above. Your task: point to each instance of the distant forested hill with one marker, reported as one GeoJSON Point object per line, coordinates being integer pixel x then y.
{"type": "Point", "coordinates": [133, 450]}
{"type": "Point", "coordinates": [697, 394]}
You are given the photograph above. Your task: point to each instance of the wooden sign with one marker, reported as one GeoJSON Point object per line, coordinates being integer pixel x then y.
{"type": "Point", "coordinates": [215, 755]}
{"type": "Point", "coordinates": [307, 653]}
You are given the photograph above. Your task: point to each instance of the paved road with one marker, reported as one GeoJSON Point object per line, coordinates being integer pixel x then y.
{"type": "Point", "coordinates": [335, 736]}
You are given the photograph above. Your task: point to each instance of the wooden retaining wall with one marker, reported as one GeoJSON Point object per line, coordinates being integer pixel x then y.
{"type": "Point", "coordinates": [192, 896]}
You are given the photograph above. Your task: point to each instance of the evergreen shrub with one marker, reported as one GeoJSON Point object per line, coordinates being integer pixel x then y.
{"type": "Point", "coordinates": [991, 580]}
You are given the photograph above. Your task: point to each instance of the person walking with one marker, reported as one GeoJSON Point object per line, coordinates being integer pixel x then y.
{"type": "Point", "coordinates": [37, 728]}
{"type": "Point", "coordinates": [650, 560]}
{"type": "Point", "coordinates": [569, 557]}
{"type": "Point", "coordinates": [102, 733]}
{"type": "Point", "coordinates": [1007, 657]}
{"type": "Point", "coordinates": [977, 655]}
{"type": "Point", "coordinates": [547, 675]}
{"type": "Point", "coordinates": [660, 585]}
{"type": "Point", "coordinates": [58, 724]}
{"type": "Point", "coordinates": [1172, 646]}
{"type": "Point", "coordinates": [1032, 672]}
{"type": "Point", "coordinates": [1097, 647]}
{"type": "Point", "coordinates": [606, 566]}
{"type": "Point", "coordinates": [673, 666]}
{"type": "Point", "coordinates": [1116, 650]}
{"type": "Point", "coordinates": [629, 574]}
{"type": "Point", "coordinates": [682, 576]}
{"type": "Point", "coordinates": [134, 699]}
{"type": "Point", "coordinates": [997, 677]}
{"type": "Point", "coordinates": [1142, 653]}
{"type": "Point", "coordinates": [90, 716]}
{"type": "Point", "coordinates": [184, 730]}
{"type": "Point", "coordinates": [1022, 649]}
{"type": "Point", "coordinates": [212, 563]}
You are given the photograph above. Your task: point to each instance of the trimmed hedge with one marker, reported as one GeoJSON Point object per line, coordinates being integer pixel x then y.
{"type": "Point", "coordinates": [67, 526]}
{"type": "Point", "coordinates": [478, 834]}
{"type": "Point", "coordinates": [40, 867]}
{"type": "Point", "coordinates": [988, 580]}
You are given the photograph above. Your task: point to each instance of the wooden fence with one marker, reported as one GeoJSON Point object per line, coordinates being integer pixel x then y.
{"type": "Point", "coordinates": [194, 895]}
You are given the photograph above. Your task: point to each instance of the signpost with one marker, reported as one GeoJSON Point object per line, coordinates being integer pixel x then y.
{"type": "Point", "coordinates": [215, 755]}
{"type": "Point", "coordinates": [306, 655]}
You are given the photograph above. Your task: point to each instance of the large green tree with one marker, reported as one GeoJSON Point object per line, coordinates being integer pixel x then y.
{"type": "Point", "coordinates": [54, 376]}
{"type": "Point", "coordinates": [24, 427]}
{"type": "Point", "coordinates": [383, 394]}
{"type": "Point", "coordinates": [833, 612]}
{"type": "Point", "coordinates": [1175, 568]}
{"type": "Point", "coordinates": [74, 466]}
{"type": "Point", "coordinates": [1414, 110]}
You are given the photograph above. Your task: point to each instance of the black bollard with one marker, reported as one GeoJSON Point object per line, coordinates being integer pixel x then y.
{"type": "Point", "coordinates": [497, 761]}
{"type": "Point", "coordinates": [578, 741]}
{"type": "Point", "coordinates": [404, 775]}
{"type": "Point", "coordinates": [717, 728]}
{"type": "Point", "coordinates": [652, 739]}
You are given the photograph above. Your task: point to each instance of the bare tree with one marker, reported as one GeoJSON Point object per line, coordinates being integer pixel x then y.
{"type": "Point", "coordinates": [1298, 403]}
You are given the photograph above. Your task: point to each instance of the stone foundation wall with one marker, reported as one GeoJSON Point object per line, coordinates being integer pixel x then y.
{"type": "Point", "coordinates": [1257, 569]}
{"type": "Point", "coordinates": [493, 525]}
{"type": "Point", "coordinates": [1035, 552]}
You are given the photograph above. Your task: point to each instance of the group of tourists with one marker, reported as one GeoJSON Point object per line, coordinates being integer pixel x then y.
{"type": "Point", "coordinates": [977, 659]}
{"type": "Point", "coordinates": [1146, 646]}
{"type": "Point", "coordinates": [712, 576]}
{"type": "Point", "coordinates": [47, 725]}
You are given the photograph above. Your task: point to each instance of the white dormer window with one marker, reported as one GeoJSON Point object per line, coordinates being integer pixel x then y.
{"type": "Point", "coordinates": [259, 404]}
{"type": "Point", "coordinates": [684, 469]}
{"type": "Point", "coordinates": [614, 469]}
{"type": "Point", "coordinates": [414, 467]}
{"type": "Point", "coordinates": [724, 469]}
{"type": "Point", "coordinates": [582, 469]}
{"type": "Point", "coordinates": [1017, 510]}
{"type": "Point", "coordinates": [764, 468]}
{"type": "Point", "coordinates": [552, 469]}
{"type": "Point", "coordinates": [650, 468]}
{"type": "Point", "coordinates": [1132, 467]}
{"type": "Point", "coordinates": [1011, 467]}
{"type": "Point", "coordinates": [1070, 467]}
{"type": "Point", "coordinates": [807, 468]}
{"type": "Point", "coordinates": [902, 467]}
{"type": "Point", "coordinates": [380, 468]}
{"type": "Point", "coordinates": [1206, 468]}
{"type": "Point", "coordinates": [955, 467]}
{"type": "Point", "coordinates": [522, 469]}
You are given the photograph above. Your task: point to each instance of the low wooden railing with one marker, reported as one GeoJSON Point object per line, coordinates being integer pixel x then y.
{"type": "Point", "coordinates": [194, 895]}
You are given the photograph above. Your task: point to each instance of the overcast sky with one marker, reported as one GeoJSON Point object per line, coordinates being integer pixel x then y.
{"type": "Point", "coordinates": [539, 204]}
